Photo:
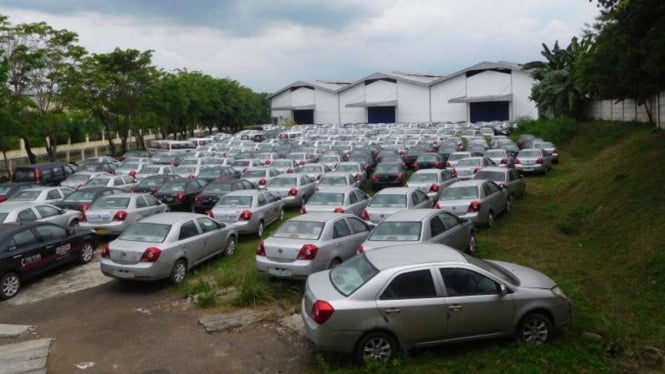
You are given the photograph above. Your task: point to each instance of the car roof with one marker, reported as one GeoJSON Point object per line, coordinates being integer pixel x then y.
{"type": "Point", "coordinates": [494, 169]}
{"type": "Point", "coordinates": [338, 189]}
{"type": "Point", "coordinates": [338, 174]}
{"type": "Point", "coordinates": [468, 182]}
{"type": "Point", "coordinates": [410, 215]}
{"type": "Point", "coordinates": [97, 189]}
{"type": "Point", "coordinates": [171, 217]}
{"type": "Point", "coordinates": [319, 217]}
{"type": "Point", "coordinates": [395, 190]}
{"type": "Point", "coordinates": [40, 188]}
{"type": "Point", "coordinates": [413, 254]}
{"type": "Point", "coordinates": [244, 193]}
{"type": "Point", "coordinates": [8, 228]}
{"type": "Point", "coordinates": [427, 171]}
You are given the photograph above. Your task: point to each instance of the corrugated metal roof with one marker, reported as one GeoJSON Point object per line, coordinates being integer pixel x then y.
{"type": "Point", "coordinates": [479, 99]}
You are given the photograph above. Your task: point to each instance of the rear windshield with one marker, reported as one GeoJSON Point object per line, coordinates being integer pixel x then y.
{"type": "Point", "coordinates": [281, 163]}
{"type": "Point", "coordinates": [529, 154]}
{"type": "Point", "coordinates": [80, 197]}
{"type": "Point", "coordinates": [151, 182]}
{"type": "Point", "coordinates": [469, 162]}
{"type": "Point", "coordinates": [424, 177]}
{"type": "Point", "coordinates": [240, 163]}
{"type": "Point", "coordinates": [24, 175]}
{"type": "Point", "coordinates": [352, 274]}
{"type": "Point", "coordinates": [97, 182]}
{"type": "Point", "coordinates": [111, 203]}
{"type": "Point", "coordinates": [326, 198]}
{"type": "Point", "coordinates": [388, 169]}
{"type": "Point", "coordinates": [460, 193]}
{"type": "Point", "coordinates": [312, 168]}
{"type": "Point", "coordinates": [173, 186]}
{"type": "Point", "coordinates": [283, 182]}
{"type": "Point", "coordinates": [491, 175]}
{"type": "Point", "coordinates": [150, 170]}
{"type": "Point", "coordinates": [427, 158]}
{"type": "Point", "coordinates": [457, 156]}
{"type": "Point", "coordinates": [334, 181]}
{"type": "Point", "coordinates": [218, 187]}
{"type": "Point", "coordinates": [146, 232]}
{"type": "Point", "coordinates": [26, 195]}
{"type": "Point", "coordinates": [388, 201]}
{"type": "Point", "coordinates": [299, 230]}
{"type": "Point", "coordinates": [396, 231]}
{"type": "Point", "coordinates": [349, 168]}
{"type": "Point", "coordinates": [235, 202]}
{"type": "Point", "coordinates": [78, 178]}
{"type": "Point", "coordinates": [330, 158]}
{"type": "Point", "coordinates": [495, 153]}
{"type": "Point", "coordinates": [256, 173]}
{"type": "Point", "coordinates": [185, 169]}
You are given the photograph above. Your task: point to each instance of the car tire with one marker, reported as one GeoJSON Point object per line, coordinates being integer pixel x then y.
{"type": "Point", "coordinates": [87, 252]}
{"type": "Point", "coordinates": [260, 229]}
{"type": "Point", "coordinates": [534, 328]}
{"type": "Point", "coordinates": [490, 219]}
{"type": "Point", "coordinates": [231, 246]}
{"type": "Point", "coordinates": [73, 226]}
{"type": "Point", "coordinates": [472, 247]}
{"type": "Point", "coordinates": [378, 345]}
{"type": "Point", "coordinates": [178, 271]}
{"type": "Point", "coordinates": [10, 285]}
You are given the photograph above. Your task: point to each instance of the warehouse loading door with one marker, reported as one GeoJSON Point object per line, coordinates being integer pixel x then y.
{"type": "Point", "coordinates": [303, 117]}
{"type": "Point", "coordinates": [489, 111]}
{"type": "Point", "coordinates": [381, 114]}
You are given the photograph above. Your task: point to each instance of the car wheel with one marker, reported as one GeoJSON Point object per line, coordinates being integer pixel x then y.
{"type": "Point", "coordinates": [259, 229]}
{"type": "Point", "coordinates": [73, 226]}
{"type": "Point", "coordinates": [333, 264]}
{"type": "Point", "coordinates": [10, 284]}
{"type": "Point", "coordinates": [230, 247]}
{"type": "Point", "coordinates": [281, 215]}
{"type": "Point", "coordinates": [473, 244]}
{"type": "Point", "coordinates": [379, 346]}
{"type": "Point", "coordinates": [86, 253]}
{"type": "Point", "coordinates": [178, 272]}
{"type": "Point", "coordinates": [490, 219]}
{"type": "Point", "coordinates": [535, 328]}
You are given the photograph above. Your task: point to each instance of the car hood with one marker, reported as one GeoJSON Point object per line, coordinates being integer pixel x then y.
{"type": "Point", "coordinates": [528, 277]}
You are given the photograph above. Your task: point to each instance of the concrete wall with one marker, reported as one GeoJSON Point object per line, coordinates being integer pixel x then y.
{"type": "Point", "coordinates": [628, 110]}
{"type": "Point", "coordinates": [442, 110]}
{"type": "Point", "coordinates": [412, 103]}
{"type": "Point", "coordinates": [352, 95]}
{"type": "Point", "coordinates": [522, 105]}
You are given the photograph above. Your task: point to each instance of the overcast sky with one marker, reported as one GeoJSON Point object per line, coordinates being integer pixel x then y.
{"type": "Point", "coordinates": [267, 44]}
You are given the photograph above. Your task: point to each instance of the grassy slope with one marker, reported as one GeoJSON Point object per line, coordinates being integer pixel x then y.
{"type": "Point", "coordinates": [595, 225]}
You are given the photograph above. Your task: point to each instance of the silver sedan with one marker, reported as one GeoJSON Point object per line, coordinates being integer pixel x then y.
{"type": "Point", "coordinates": [121, 182]}
{"type": "Point", "coordinates": [532, 160]}
{"type": "Point", "coordinates": [166, 246]}
{"type": "Point", "coordinates": [432, 181]}
{"type": "Point", "coordinates": [395, 298]}
{"type": "Point", "coordinates": [294, 189]}
{"type": "Point", "coordinates": [41, 194]}
{"type": "Point", "coordinates": [315, 171]}
{"type": "Point", "coordinates": [338, 200]}
{"type": "Point", "coordinates": [414, 226]}
{"type": "Point", "coordinates": [22, 212]}
{"type": "Point", "coordinates": [509, 179]}
{"type": "Point", "coordinates": [337, 180]}
{"type": "Point", "coordinates": [310, 243]}
{"type": "Point", "coordinates": [468, 167]}
{"type": "Point", "coordinates": [110, 215]}
{"type": "Point", "coordinates": [480, 201]}
{"type": "Point", "coordinates": [249, 211]}
{"type": "Point", "coordinates": [390, 200]}
{"type": "Point", "coordinates": [354, 168]}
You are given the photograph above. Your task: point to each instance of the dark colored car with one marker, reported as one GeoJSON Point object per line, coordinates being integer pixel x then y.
{"type": "Point", "coordinates": [180, 194]}
{"type": "Point", "coordinates": [388, 175]}
{"type": "Point", "coordinates": [9, 189]}
{"type": "Point", "coordinates": [83, 198]}
{"type": "Point", "coordinates": [366, 161]}
{"type": "Point", "coordinates": [50, 174]}
{"type": "Point", "coordinates": [446, 149]}
{"type": "Point", "coordinates": [411, 156]}
{"type": "Point", "coordinates": [209, 174]}
{"type": "Point", "coordinates": [218, 188]}
{"type": "Point", "coordinates": [429, 160]}
{"type": "Point", "coordinates": [31, 248]}
{"type": "Point", "coordinates": [152, 183]}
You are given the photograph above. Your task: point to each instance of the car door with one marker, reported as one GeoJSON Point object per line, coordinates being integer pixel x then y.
{"type": "Point", "coordinates": [497, 196]}
{"type": "Point", "coordinates": [51, 214]}
{"type": "Point", "coordinates": [343, 241]}
{"type": "Point", "coordinates": [142, 209]}
{"type": "Point", "coordinates": [53, 196]}
{"type": "Point", "coordinates": [274, 204]}
{"type": "Point", "coordinates": [475, 306]}
{"type": "Point", "coordinates": [154, 206]}
{"type": "Point", "coordinates": [55, 237]}
{"type": "Point", "coordinates": [413, 306]}
{"type": "Point", "coordinates": [438, 232]}
{"type": "Point", "coordinates": [360, 231]}
{"type": "Point", "coordinates": [213, 234]}
{"type": "Point", "coordinates": [456, 232]}
{"type": "Point", "coordinates": [263, 208]}
{"type": "Point", "coordinates": [31, 255]}
{"type": "Point", "coordinates": [191, 242]}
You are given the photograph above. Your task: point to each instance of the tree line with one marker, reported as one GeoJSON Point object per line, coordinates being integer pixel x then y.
{"type": "Point", "coordinates": [620, 56]}
{"type": "Point", "coordinates": [51, 88]}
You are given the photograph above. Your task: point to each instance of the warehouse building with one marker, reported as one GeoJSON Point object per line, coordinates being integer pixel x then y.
{"type": "Point", "coordinates": [483, 92]}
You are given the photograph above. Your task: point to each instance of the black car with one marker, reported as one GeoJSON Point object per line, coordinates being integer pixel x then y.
{"type": "Point", "coordinates": [388, 175]}
{"type": "Point", "coordinates": [180, 194]}
{"type": "Point", "coordinates": [9, 189]}
{"type": "Point", "coordinates": [167, 158]}
{"type": "Point", "coordinates": [30, 249]}
{"type": "Point", "coordinates": [49, 174]}
{"type": "Point", "coordinates": [216, 189]}
{"type": "Point", "coordinates": [215, 172]}
{"type": "Point", "coordinates": [429, 160]}
{"type": "Point", "coordinates": [446, 149]}
{"type": "Point", "coordinates": [82, 198]}
{"type": "Point", "coordinates": [153, 183]}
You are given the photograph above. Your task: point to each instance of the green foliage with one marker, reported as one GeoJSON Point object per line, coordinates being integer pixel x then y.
{"type": "Point", "coordinates": [557, 131]}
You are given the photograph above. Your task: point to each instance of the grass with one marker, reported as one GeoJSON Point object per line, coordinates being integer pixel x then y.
{"type": "Point", "coordinates": [595, 225]}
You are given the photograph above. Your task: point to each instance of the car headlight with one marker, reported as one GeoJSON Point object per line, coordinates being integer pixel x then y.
{"type": "Point", "coordinates": [559, 292]}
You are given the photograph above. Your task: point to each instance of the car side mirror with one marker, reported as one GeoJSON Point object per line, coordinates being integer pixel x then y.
{"type": "Point", "coordinates": [503, 290]}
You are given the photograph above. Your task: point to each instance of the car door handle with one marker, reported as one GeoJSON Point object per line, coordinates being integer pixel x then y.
{"type": "Point", "coordinates": [455, 308]}
{"type": "Point", "coordinates": [392, 311]}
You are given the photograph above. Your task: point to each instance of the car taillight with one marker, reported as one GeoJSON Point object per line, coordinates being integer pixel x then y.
{"type": "Point", "coordinates": [539, 161]}
{"type": "Point", "coordinates": [246, 215]}
{"type": "Point", "coordinates": [180, 196]}
{"type": "Point", "coordinates": [120, 215]}
{"type": "Point", "coordinates": [360, 250]}
{"type": "Point", "coordinates": [303, 210]}
{"type": "Point", "coordinates": [338, 210]}
{"type": "Point", "coordinates": [38, 175]}
{"type": "Point", "coordinates": [262, 182]}
{"type": "Point", "coordinates": [358, 176]}
{"type": "Point", "coordinates": [434, 188]}
{"type": "Point", "coordinates": [416, 166]}
{"type": "Point", "coordinates": [2, 198]}
{"type": "Point", "coordinates": [321, 311]}
{"type": "Point", "coordinates": [289, 171]}
{"type": "Point", "coordinates": [197, 199]}
{"type": "Point", "coordinates": [476, 170]}
{"type": "Point", "coordinates": [151, 255]}
{"type": "Point", "coordinates": [308, 252]}
{"type": "Point", "coordinates": [365, 215]}
{"type": "Point", "coordinates": [132, 173]}
{"type": "Point", "coordinates": [437, 206]}
{"type": "Point", "coordinates": [504, 161]}
{"type": "Point", "coordinates": [301, 162]}
{"type": "Point", "coordinates": [474, 207]}
{"type": "Point", "coordinates": [293, 192]}
{"type": "Point", "coordinates": [375, 177]}
{"type": "Point", "coordinates": [517, 161]}
{"type": "Point", "coordinates": [437, 165]}
{"type": "Point", "coordinates": [268, 162]}
{"type": "Point", "coordinates": [399, 176]}
{"type": "Point", "coordinates": [261, 250]}
{"type": "Point", "coordinates": [106, 252]}
{"type": "Point", "coordinates": [82, 216]}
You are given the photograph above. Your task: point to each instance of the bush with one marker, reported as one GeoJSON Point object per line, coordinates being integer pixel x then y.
{"type": "Point", "coordinates": [558, 131]}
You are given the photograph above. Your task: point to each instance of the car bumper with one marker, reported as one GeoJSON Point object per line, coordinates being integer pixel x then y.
{"type": "Point", "coordinates": [298, 269]}
{"type": "Point", "coordinates": [244, 227]}
{"type": "Point", "coordinates": [325, 338]}
{"type": "Point", "coordinates": [142, 271]}
{"type": "Point", "coordinates": [536, 168]}
{"type": "Point", "coordinates": [110, 228]}
{"type": "Point", "coordinates": [292, 200]}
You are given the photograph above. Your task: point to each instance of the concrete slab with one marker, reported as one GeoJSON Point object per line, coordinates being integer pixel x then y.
{"type": "Point", "coordinates": [26, 357]}
{"type": "Point", "coordinates": [228, 321]}
{"type": "Point", "coordinates": [12, 331]}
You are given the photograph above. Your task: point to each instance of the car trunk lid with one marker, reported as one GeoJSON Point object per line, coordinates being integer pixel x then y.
{"type": "Point", "coordinates": [284, 249]}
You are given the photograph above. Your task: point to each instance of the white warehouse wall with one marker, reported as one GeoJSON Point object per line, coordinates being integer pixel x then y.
{"type": "Point", "coordinates": [412, 103]}
{"type": "Point", "coordinates": [488, 83]}
{"type": "Point", "coordinates": [281, 100]}
{"type": "Point", "coordinates": [380, 91]}
{"type": "Point", "coordinates": [523, 106]}
{"type": "Point", "coordinates": [442, 110]}
{"type": "Point", "coordinates": [326, 110]}
{"type": "Point", "coordinates": [352, 95]}
{"type": "Point", "coordinates": [302, 97]}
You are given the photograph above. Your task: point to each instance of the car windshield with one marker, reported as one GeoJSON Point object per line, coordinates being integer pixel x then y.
{"type": "Point", "coordinates": [468, 162]}
{"type": "Point", "coordinates": [80, 197]}
{"type": "Point", "coordinates": [24, 175]}
{"type": "Point", "coordinates": [78, 178]}
{"type": "Point", "coordinates": [312, 169]}
{"type": "Point", "coordinates": [529, 154]}
{"type": "Point", "coordinates": [149, 170]}
{"type": "Point", "coordinates": [218, 187]}
{"type": "Point", "coordinates": [424, 177]}
{"type": "Point", "coordinates": [111, 203]}
{"type": "Point", "coordinates": [427, 158]}
{"type": "Point", "coordinates": [256, 173]}
{"type": "Point", "coordinates": [283, 182]}
{"type": "Point", "coordinates": [281, 163]}
{"type": "Point", "coordinates": [493, 268]}
{"type": "Point", "coordinates": [97, 182]}
{"type": "Point", "coordinates": [151, 182]}
{"type": "Point", "coordinates": [235, 202]}
{"type": "Point", "coordinates": [460, 193]}
{"type": "Point", "coordinates": [388, 169]}
{"type": "Point", "coordinates": [240, 163]}
{"type": "Point", "coordinates": [349, 168]}
{"type": "Point", "coordinates": [173, 187]}
{"type": "Point", "coordinates": [305, 230]}
{"type": "Point", "coordinates": [352, 274]}
{"type": "Point", "coordinates": [146, 232]}
{"type": "Point", "coordinates": [326, 198]}
{"type": "Point", "coordinates": [396, 231]}
{"type": "Point", "coordinates": [26, 195]}
{"type": "Point", "coordinates": [187, 169]}
{"type": "Point", "coordinates": [495, 153]}
{"type": "Point", "coordinates": [457, 156]}
{"type": "Point", "coordinates": [491, 175]}
{"type": "Point", "coordinates": [334, 181]}
{"type": "Point", "coordinates": [388, 201]}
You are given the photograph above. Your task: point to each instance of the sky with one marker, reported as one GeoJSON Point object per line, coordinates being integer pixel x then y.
{"type": "Point", "coordinates": [268, 44]}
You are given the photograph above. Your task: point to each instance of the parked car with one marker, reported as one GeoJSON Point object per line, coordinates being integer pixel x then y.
{"type": "Point", "coordinates": [431, 181]}
{"type": "Point", "coordinates": [309, 243]}
{"type": "Point", "coordinates": [356, 169]}
{"type": "Point", "coordinates": [285, 165]}
{"type": "Point", "coordinates": [388, 175]}
{"type": "Point", "coordinates": [211, 173]}
{"type": "Point", "coordinates": [390, 200]}
{"type": "Point", "coordinates": [337, 180]}
{"type": "Point", "coordinates": [147, 170]}
{"type": "Point", "coordinates": [315, 170]}
{"type": "Point", "coordinates": [468, 167]}
{"type": "Point", "coordinates": [480, 201]}
{"type": "Point", "coordinates": [121, 182]}
{"type": "Point", "coordinates": [533, 160]}
{"type": "Point", "coordinates": [550, 148]}
{"type": "Point", "coordinates": [338, 200]}
{"type": "Point", "coordinates": [429, 160]}
{"type": "Point", "coordinates": [48, 174]}
{"type": "Point", "coordinates": [180, 194]}
{"type": "Point", "coordinates": [505, 178]}
{"type": "Point", "coordinates": [294, 189]}
{"type": "Point", "coordinates": [166, 245]}
{"type": "Point", "coordinates": [249, 211]}
{"type": "Point", "coordinates": [260, 176]}
{"type": "Point", "coordinates": [455, 157]}
{"type": "Point", "coordinates": [41, 194]}
{"type": "Point", "coordinates": [8, 190]}
{"type": "Point", "coordinates": [501, 157]}
{"type": "Point", "coordinates": [392, 299]}
{"type": "Point", "coordinates": [110, 215]}
{"type": "Point", "coordinates": [42, 212]}
{"type": "Point", "coordinates": [79, 178]}
{"type": "Point", "coordinates": [82, 198]}
{"type": "Point", "coordinates": [32, 248]}
{"type": "Point", "coordinates": [214, 190]}
{"type": "Point", "coordinates": [413, 226]}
